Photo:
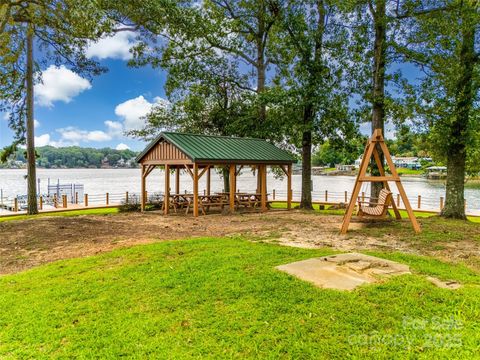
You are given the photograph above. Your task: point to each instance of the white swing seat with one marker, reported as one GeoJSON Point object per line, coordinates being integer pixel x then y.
{"type": "Point", "coordinates": [380, 207]}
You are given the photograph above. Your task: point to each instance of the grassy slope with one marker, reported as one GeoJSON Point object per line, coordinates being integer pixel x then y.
{"type": "Point", "coordinates": [100, 211]}
{"type": "Point", "coordinates": [406, 172]}
{"type": "Point", "coordinates": [422, 214]}
{"type": "Point", "coordinates": [223, 298]}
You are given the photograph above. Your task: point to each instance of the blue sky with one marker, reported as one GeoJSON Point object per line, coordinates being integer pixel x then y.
{"type": "Point", "coordinates": [71, 110]}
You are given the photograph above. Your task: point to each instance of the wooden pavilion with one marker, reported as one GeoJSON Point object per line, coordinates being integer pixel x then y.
{"type": "Point", "coordinates": [198, 154]}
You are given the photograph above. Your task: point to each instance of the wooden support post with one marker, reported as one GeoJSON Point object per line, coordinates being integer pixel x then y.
{"type": "Point", "coordinates": [419, 201]}
{"type": "Point", "coordinates": [326, 195]}
{"type": "Point", "coordinates": [64, 201]}
{"type": "Point", "coordinates": [264, 187]}
{"type": "Point", "coordinates": [166, 195]}
{"type": "Point", "coordinates": [15, 204]}
{"type": "Point", "coordinates": [85, 200]}
{"type": "Point", "coordinates": [398, 200]}
{"type": "Point", "coordinates": [177, 180]}
{"type": "Point", "coordinates": [195, 189]}
{"type": "Point", "coordinates": [209, 180]}
{"type": "Point", "coordinates": [126, 197]}
{"type": "Point", "coordinates": [401, 190]}
{"type": "Point", "coordinates": [289, 187]}
{"type": "Point", "coordinates": [233, 183]}
{"type": "Point", "coordinates": [273, 194]}
{"type": "Point", "coordinates": [441, 203]}
{"type": "Point", "coordinates": [363, 196]}
{"type": "Point", "coordinates": [76, 198]}
{"type": "Point", "coordinates": [143, 190]}
{"type": "Point", "coordinates": [259, 178]}
{"type": "Point", "coordinates": [346, 196]}
{"type": "Point", "coordinates": [55, 201]}
{"type": "Point", "coordinates": [367, 154]}
{"type": "Point", "coordinates": [107, 199]}
{"type": "Point", "coordinates": [40, 203]}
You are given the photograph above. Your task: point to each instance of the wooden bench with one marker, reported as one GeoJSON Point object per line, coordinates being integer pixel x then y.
{"type": "Point", "coordinates": [375, 209]}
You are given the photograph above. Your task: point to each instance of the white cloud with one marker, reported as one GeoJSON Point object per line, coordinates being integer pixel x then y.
{"type": "Point", "coordinates": [42, 140]}
{"type": "Point", "coordinates": [98, 135]}
{"type": "Point", "coordinates": [115, 47]}
{"type": "Point", "coordinates": [132, 111]}
{"type": "Point", "coordinates": [36, 123]}
{"type": "Point", "coordinates": [122, 146]}
{"type": "Point", "coordinates": [74, 136]}
{"type": "Point", "coordinates": [114, 128]}
{"type": "Point", "coordinates": [59, 84]}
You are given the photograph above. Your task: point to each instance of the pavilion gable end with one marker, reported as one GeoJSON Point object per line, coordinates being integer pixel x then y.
{"type": "Point", "coordinates": [163, 152]}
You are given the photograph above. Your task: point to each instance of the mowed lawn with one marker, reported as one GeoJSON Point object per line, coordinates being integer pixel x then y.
{"type": "Point", "coordinates": [222, 298]}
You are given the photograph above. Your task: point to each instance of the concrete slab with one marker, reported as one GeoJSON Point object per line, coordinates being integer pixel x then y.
{"type": "Point", "coordinates": [344, 271]}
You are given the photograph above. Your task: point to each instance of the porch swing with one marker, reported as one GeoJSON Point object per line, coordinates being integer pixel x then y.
{"type": "Point", "coordinates": [379, 208]}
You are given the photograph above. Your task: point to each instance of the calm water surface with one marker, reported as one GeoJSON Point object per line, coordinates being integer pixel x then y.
{"type": "Point", "coordinates": [100, 181]}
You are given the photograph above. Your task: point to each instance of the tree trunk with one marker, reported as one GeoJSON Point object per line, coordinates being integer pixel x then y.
{"type": "Point", "coordinates": [454, 200]}
{"type": "Point", "coordinates": [261, 80]}
{"type": "Point", "coordinates": [226, 179]}
{"type": "Point", "coordinates": [306, 200]}
{"type": "Point", "coordinates": [378, 85]}
{"type": "Point", "coordinates": [32, 207]}
{"type": "Point", "coordinates": [456, 152]}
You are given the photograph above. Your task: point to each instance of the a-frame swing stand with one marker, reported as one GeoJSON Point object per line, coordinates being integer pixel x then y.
{"type": "Point", "coordinates": [371, 150]}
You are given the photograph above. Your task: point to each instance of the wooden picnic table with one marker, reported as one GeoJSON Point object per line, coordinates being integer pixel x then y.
{"type": "Point", "coordinates": [246, 199]}
{"type": "Point", "coordinates": [205, 201]}
{"type": "Point", "coordinates": [220, 199]}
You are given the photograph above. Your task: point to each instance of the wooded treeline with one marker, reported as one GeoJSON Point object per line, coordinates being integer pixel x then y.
{"type": "Point", "coordinates": [297, 73]}
{"type": "Point", "coordinates": [76, 157]}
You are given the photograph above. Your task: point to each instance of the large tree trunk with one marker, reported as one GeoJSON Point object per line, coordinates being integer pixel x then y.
{"type": "Point", "coordinates": [378, 91]}
{"type": "Point", "coordinates": [226, 179]}
{"type": "Point", "coordinates": [32, 207]}
{"type": "Point", "coordinates": [306, 200]}
{"type": "Point", "coordinates": [261, 80]}
{"type": "Point", "coordinates": [454, 201]}
{"type": "Point", "coordinates": [456, 153]}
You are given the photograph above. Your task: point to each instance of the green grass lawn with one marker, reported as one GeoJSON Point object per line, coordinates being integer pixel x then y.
{"type": "Point", "coordinates": [406, 172]}
{"type": "Point", "coordinates": [100, 211]}
{"type": "Point", "coordinates": [223, 298]}
{"type": "Point", "coordinates": [327, 211]}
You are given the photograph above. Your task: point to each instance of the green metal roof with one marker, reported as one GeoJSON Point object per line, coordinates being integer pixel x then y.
{"type": "Point", "coordinates": [223, 148]}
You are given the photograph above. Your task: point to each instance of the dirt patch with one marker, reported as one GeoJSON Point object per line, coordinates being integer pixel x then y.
{"type": "Point", "coordinates": [28, 243]}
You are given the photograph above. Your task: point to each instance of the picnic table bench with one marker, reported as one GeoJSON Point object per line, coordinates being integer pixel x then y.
{"type": "Point", "coordinates": [185, 201]}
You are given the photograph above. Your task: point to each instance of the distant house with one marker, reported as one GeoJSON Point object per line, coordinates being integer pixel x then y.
{"type": "Point", "coordinates": [409, 162]}
{"type": "Point", "coordinates": [342, 167]}
{"type": "Point", "coordinates": [358, 162]}
{"type": "Point", "coordinates": [105, 163]}
{"type": "Point", "coordinates": [440, 169]}
{"type": "Point", "coordinates": [436, 172]}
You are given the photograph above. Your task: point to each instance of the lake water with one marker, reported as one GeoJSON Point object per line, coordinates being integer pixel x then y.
{"type": "Point", "coordinates": [118, 181]}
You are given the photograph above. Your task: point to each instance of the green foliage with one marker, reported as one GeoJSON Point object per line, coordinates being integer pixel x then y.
{"type": "Point", "coordinates": [223, 298]}
{"type": "Point", "coordinates": [77, 157]}
{"type": "Point", "coordinates": [62, 31]}
{"type": "Point", "coordinates": [331, 153]}
{"type": "Point", "coordinates": [436, 43]}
